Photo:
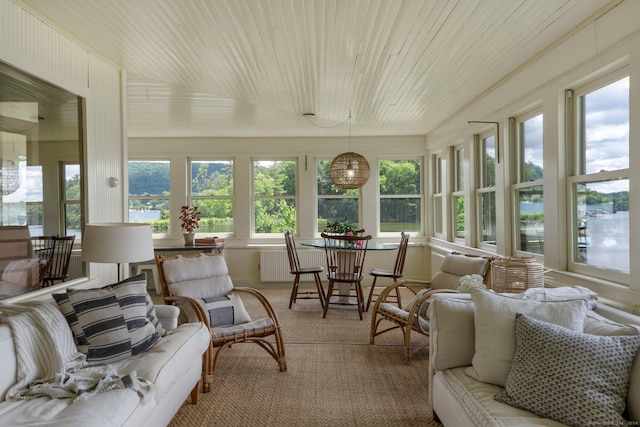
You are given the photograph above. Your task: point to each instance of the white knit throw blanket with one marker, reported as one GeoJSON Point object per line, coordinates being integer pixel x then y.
{"type": "Point", "coordinates": [49, 363]}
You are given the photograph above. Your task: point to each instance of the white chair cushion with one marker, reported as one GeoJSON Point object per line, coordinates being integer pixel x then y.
{"type": "Point", "coordinates": [201, 277]}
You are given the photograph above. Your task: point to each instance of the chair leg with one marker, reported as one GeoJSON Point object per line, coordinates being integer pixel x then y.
{"type": "Point", "coordinates": [359, 298]}
{"type": "Point", "coordinates": [294, 290]}
{"type": "Point", "coordinates": [373, 286]}
{"type": "Point", "coordinates": [398, 296]}
{"type": "Point", "coordinates": [321, 295]}
{"type": "Point", "coordinates": [329, 295]}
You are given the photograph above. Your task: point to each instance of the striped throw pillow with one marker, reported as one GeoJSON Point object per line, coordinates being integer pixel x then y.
{"type": "Point", "coordinates": [226, 310]}
{"type": "Point", "coordinates": [100, 317]}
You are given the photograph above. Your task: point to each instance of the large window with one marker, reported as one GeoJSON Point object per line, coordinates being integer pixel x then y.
{"type": "Point", "coordinates": [149, 190]}
{"type": "Point", "coordinates": [600, 184]}
{"type": "Point", "coordinates": [457, 194]}
{"type": "Point", "coordinates": [486, 191]}
{"type": "Point", "coordinates": [334, 203]}
{"type": "Point", "coordinates": [274, 196]}
{"type": "Point", "coordinates": [211, 190]}
{"type": "Point", "coordinates": [527, 191]}
{"type": "Point", "coordinates": [401, 195]}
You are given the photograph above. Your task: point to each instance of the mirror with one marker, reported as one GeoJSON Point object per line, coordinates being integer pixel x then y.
{"type": "Point", "coordinates": [40, 161]}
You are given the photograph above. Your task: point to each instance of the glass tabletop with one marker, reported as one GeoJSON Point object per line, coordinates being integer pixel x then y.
{"type": "Point", "coordinates": [373, 246]}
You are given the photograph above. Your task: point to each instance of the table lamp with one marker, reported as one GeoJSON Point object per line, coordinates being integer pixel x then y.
{"type": "Point", "coordinates": [117, 243]}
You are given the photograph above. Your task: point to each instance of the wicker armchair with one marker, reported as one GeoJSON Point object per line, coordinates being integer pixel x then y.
{"type": "Point", "coordinates": [413, 316]}
{"type": "Point", "coordinates": [201, 286]}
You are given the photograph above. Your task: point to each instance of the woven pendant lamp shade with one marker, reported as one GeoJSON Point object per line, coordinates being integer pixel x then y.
{"type": "Point", "coordinates": [516, 274]}
{"type": "Point", "coordinates": [349, 170]}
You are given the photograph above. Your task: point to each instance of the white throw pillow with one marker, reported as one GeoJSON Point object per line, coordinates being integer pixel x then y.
{"type": "Point", "coordinates": [452, 331]}
{"type": "Point", "coordinates": [494, 321]}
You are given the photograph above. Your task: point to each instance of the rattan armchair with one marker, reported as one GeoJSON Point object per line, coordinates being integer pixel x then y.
{"type": "Point", "coordinates": [413, 316]}
{"type": "Point", "coordinates": [201, 286]}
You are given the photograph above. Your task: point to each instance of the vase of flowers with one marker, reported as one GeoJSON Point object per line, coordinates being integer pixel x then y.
{"type": "Point", "coordinates": [190, 217]}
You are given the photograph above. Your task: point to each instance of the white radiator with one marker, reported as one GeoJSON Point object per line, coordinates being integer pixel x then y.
{"type": "Point", "coordinates": [274, 265]}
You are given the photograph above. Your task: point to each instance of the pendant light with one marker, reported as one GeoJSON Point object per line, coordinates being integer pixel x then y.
{"type": "Point", "coordinates": [349, 170]}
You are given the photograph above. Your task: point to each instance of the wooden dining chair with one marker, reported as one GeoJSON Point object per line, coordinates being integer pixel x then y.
{"type": "Point", "coordinates": [297, 270]}
{"type": "Point", "coordinates": [394, 274]}
{"type": "Point", "coordinates": [345, 261]}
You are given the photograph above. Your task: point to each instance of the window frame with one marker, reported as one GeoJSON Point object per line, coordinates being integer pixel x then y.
{"type": "Point", "coordinates": [577, 175]}
{"type": "Point", "coordinates": [438, 195]}
{"type": "Point", "coordinates": [459, 184]}
{"type": "Point", "coordinates": [168, 197]}
{"type": "Point", "coordinates": [482, 190]}
{"type": "Point", "coordinates": [516, 124]}
{"type": "Point", "coordinates": [254, 198]}
{"type": "Point", "coordinates": [420, 195]}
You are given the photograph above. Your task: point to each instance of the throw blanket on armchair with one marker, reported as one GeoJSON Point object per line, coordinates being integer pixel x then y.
{"type": "Point", "coordinates": [49, 363]}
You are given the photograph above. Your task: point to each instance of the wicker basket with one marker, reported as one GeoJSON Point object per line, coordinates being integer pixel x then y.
{"type": "Point", "coordinates": [516, 274]}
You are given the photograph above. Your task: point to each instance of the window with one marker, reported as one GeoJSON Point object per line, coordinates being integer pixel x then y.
{"type": "Point", "coordinates": [334, 203]}
{"type": "Point", "coordinates": [212, 191]}
{"type": "Point", "coordinates": [401, 195]}
{"type": "Point", "coordinates": [487, 189]}
{"type": "Point", "coordinates": [71, 207]}
{"type": "Point", "coordinates": [457, 194]}
{"type": "Point", "coordinates": [274, 195]}
{"type": "Point", "coordinates": [149, 190]}
{"type": "Point", "coordinates": [600, 184]}
{"type": "Point", "coordinates": [527, 191]}
{"type": "Point", "coordinates": [438, 195]}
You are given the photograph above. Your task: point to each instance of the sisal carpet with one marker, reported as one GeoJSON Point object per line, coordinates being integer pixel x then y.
{"type": "Point", "coordinates": [334, 376]}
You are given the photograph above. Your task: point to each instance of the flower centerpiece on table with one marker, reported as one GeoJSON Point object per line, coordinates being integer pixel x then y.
{"type": "Point", "coordinates": [342, 227]}
{"type": "Point", "coordinates": [470, 281]}
{"type": "Point", "coordinates": [190, 217]}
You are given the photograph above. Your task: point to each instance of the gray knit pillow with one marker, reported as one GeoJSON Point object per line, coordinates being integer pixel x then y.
{"type": "Point", "coordinates": [571, 377]}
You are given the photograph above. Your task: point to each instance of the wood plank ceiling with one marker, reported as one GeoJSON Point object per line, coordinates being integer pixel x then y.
{"type": "Point", "coordinates": [254, 67]}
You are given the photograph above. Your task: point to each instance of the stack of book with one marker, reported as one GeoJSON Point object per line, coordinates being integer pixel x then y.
{"type": "Point", "coordinates": [206, 241]}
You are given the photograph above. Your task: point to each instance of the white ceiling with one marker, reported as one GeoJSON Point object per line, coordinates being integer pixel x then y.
{"type": "Point", "coordinates": [254, 67]}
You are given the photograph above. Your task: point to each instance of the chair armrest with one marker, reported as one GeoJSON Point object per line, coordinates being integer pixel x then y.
{"type": "Point", "coordinates": [416, 307]}
{"type": "Point", "coordinates": [168, 316]}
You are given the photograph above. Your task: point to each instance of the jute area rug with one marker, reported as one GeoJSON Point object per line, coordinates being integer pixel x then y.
{"type": "Point", "coordinates": [334, 376]}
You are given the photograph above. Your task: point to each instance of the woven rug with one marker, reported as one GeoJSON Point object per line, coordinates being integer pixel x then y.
{"type": "Point", "coordinates": [334, 377]}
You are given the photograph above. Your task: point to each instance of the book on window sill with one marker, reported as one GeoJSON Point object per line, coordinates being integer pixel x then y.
{"type": "Point", "coordinates": [209, 241]}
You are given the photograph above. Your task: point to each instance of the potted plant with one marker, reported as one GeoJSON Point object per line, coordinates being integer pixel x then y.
{"type": "Point", "coordinates": [190, 217]}
{"type": "Point", "coordinates": [342, 227]}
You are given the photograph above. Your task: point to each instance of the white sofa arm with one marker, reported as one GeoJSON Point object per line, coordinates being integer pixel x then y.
{"type": "Point", "coordinates": [168, 316]}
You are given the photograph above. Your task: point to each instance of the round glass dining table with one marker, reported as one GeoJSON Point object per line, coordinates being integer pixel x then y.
{"type": "Point", "coordinates": [372, 246]}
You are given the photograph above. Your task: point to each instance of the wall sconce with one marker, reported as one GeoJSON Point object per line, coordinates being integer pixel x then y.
{"type": "Point", "coordinates": [113, 182]}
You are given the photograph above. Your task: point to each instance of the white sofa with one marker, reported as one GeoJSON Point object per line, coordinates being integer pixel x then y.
{"type": "Point", "coordinates": [173, 366]}
{"type": "Point", "coordinates": [458, 399]}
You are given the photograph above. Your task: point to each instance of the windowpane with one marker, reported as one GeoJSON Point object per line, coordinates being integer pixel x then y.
{"type": "Point", "coordinates": [531, 225]}
{"type": "Point", "coordinates": [400, 195]}
{"type": "Point", "coordinates": [530, 132]}
{"type": "Point", "coordinates": [488, 217]}
{"type": "Point", "coordinates": [72, 211]}
{"type": "Point", "coordinates": [437, 214]}
{"type": "Point", "coordinates": [399, 177]}
{"type": "Point", "coordinates": [334, 203]}
{"type": "Point", "coordinates": [605, 128]}
{"type": "Point", "coordinates": [212, 192]}
{"type": "Point", "coordinates": [488, 166]}
{"type": "Point", "coordinates": [330, 210]}
{"type": "Point", "coordinates": [459, 170]}
{"type": "Point", "coordinates": [602, 235]}
{"type": "Point", "coordinates": [149, 190]}
{"type": "Point", "coordinates": [458, 204]}
{"type": "Point", "coordinates": [274, 190]}
{"type": "Point", "coordinates": [400, 214]}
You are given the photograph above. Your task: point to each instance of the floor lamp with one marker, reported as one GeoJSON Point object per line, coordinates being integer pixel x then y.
{"type": "Point", "coordinates": [117, 243]}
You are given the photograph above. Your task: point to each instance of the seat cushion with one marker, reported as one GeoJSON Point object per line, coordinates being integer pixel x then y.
{"type": "Point", "coordinates": [198, 277]}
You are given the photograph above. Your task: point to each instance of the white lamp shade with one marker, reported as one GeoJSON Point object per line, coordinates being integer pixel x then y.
{"type": "Point", "coordinates": [117, 243]}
